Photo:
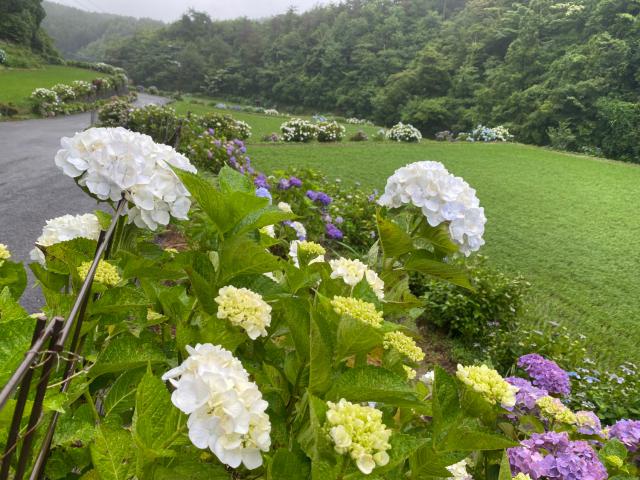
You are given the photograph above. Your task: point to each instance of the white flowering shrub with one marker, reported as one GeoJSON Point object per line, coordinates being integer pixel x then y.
{"type": "Point", "coordinates": [82, 89]}
{"type": "Point", "coordinates": [65, 93]}
{"type": "Point", "coordinates": [272, 112]}
{"type": "Point", "coordinates": [3, 57]}
{"type": "Point", "coordinates": [330, 132]}
{"type": "Point", "coordinates": [298, 130]}
{"type": "Point", "coordinates": [45, 101]}
{"type": "Point", "coordinates": [404, 133]}
{"type": "Point", "coordinates": [358, 121]}
{"type": "Point", "coordinates": [228, 358]}
{"type": "Point", "coordinates": [487, 134]}
{"type": "Point", "coordinates": [242, 129]}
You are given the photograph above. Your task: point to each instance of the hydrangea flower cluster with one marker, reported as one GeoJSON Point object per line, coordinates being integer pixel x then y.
{"type": "Point", "coordinates": [403, 344]}
{"type": "Point", "coordinates": [5, 254]}
{"type": "Point", "coordinates": [287, 183]}
{"type": "Point", "coordinates": [312, 251]}
{"type": "Point", "coordinates": [358, 431]}
{"type": "Point", "coordinates": [319, 197]}
{"type": "Point", "coordinates": [244, 308]}
{"type": "Point", "coordinates": [63, 229]}
{"type": "Point", "coordinates": [106, 274]}
{"type": "Point", "coordinates": [488, 383]}
{"type": "Point", "coordinates": [459, 471]}
{"type": "Point", "coordinates": [488, 134]}
{"type": "Point", "coordinates": [527, 394]}
{"type": "Point", "coordinates": [553, 409]}
{"type": "Point", "coordinates": [64, 92]}
{"type": "Point", "coordinates": [628, 432]}
{"type": "Point", "coordinates": [333, 232]}
{"type": "Point", "coordinates": [226, 410]}
{"type": "Point", "coordinates": [357, 309]}
{"type": "Point", "coordinates": [553, 456]}
{"type": "Point", "coordinates": [522, 476]}
{"type": "Point", "coordinates": [588, 423]}
{"type": "Point", "coordinates": [411, 373]}
{"type": "Point", "coordinates": [299, 228]}
{"type": "Point", "coordinates": [401, 132]}
{"type": "Point", "coordinates": [442, 197]}
{"type": "Point", "coordinates": [353, 271]}
{"type": "Point", "coordinates": [330, 131]}
{"type": "Point", "coordinates": [298, 130]}
{"type": "Point", "coordinates": [272, 112]}
{"type": "Point", "coordinates": [545, 374]}
{"type": "Point", "coordinates": [110, 162]}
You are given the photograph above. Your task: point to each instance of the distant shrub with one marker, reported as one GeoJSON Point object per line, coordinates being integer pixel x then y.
{"type": "Point", "coordinates": [45, 102]}
{"type": "Point", "coordinates": [495, 302]}
{"type": "Point", "coordinates": [153, 90]}
{"type": "Point", "coordinates": [359, 136]}
{"type": "Point", "coordinates": [358, 121]}
{"type": "Point", "coordinates": [488, 134]}
{"type": "Point", "coordinates": [65, 93]}
{"type": "Point", "coordinates": [380, 135]}
{"type": "Point", "coordinates": [8, 109]}
{"type": "Point", "coordinates": [271, 112]}
{"type": "Point", "coordinates": [445, 136]}
{"type": "Point", "coordinates": [81, 88]}
{"type": "Point", "coordinates": [330, 132]}
{"type": "Point", "coordinates": [115, 113]}
{"type": "Point", "coordinates": [225, 126]}
{"type": "Point", "coordinates": [298, 130]}
{"type": "Point", "coordinates": [211, 154]}
{"type": "Point", "coordinates": [3, 57]}
{"type": "Point", "coordinates": [159, 122]}
{"type": "Point", "coordinates": [562, 137]}
{"type": "Point", "coordinates": [272, 137]}
{"type": "Point", "coordinates": [177, 96]}
{"type": "Point", "coordinates": [402, 132]}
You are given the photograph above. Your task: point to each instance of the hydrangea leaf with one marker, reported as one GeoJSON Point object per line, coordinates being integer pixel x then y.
{"type": "Point", "coordinates": [157, 425]}
{"type": "Point", "coordinates": [320, 368]}
{"type": "Point", "coordinates": [446, 404]}
{"type": "Point", "coordinates": [394, 240]}
{"type": "Point", "coordinates": [428, 462]}
{"type": "Point", "coordinates": [468, 434]}
{"type": "Point", "coordinates": [374, 384]}
{"type": "Point", "coordinates": [113, 453]}
{"type": "Point", "coordinates": [243, 256]}
{"type": "Point", "coordinates": [13, 276]}
{"type": "Point", "coordinates": [354, 336]}
{"type": "Point", "coordinates": [191, 469]}
{"type": "Point", "coordinates": [233, 181]}
{"type": "Point", "coordinates": [10, 309]}
{"type": "Point", "coordinates": [424, 262]}
{"type": "Point", "coordinates": [48, 279]}
{"type": "Point", "coordinates": [16, 338]}
{"type": "Point", "coordinates": [505, 468]}
{"type": "Point", "coordinates": [289, 465]}
{"type": "Point", "coordinates": [75, 427]}
{"type": "Point", "coordinates": [122, 394]}
{"type": "Point", "coordinates": [126, 352]}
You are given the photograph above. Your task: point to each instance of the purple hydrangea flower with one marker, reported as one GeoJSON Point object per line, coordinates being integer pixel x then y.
{"type": "Point", "coordinates": [311, 195]}
{"type": "Point", "coordinates": [553, 456]}
{"type": "Point", "coordinates": [628, 432]}
{"type": "Point", "coordinates": [588, 423]}
{"type": "Point", "coordinates": [295, 182]}
{"type": "Point", "coordinates": [334, 232]}
{"type": "Point", "coordinates": [264, 193]}
{"type": "Point", "coordinates": [324, 199]}
{"type": "Point", "coordinates": [211, 132]}
{"type": "Point", "coordinates": [528, 393]}
{"type": "Point", "coordinates": [326, 218]}
{"type": "Point", "coordinates": [545, 374]}
{"type": "Point", "coordinates": [339, 220]}
{"type": "Point", "coordinates": [284, 184]}
{"type": "Point", "coordinates": [261, 181]}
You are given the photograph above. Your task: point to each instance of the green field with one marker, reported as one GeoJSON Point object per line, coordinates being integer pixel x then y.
{"type": "Point", "coordinates": [568, 223]}
{"type": "Point", "coordinates": [16, 85]}
{"type": "Point", "coordinates": [261, 125]}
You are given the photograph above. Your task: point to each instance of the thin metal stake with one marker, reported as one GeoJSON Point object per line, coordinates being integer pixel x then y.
{"type": "Point", "coordinates": [14, 430]}
{"type": "Point", "coordinates": [38, 400]}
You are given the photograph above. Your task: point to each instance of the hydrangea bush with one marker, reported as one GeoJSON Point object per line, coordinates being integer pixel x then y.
{"type": "Point", "coordinates": [240, 356]}
{"type": "Point", "coordinates": [330, 132]}
{"type": "Point", "coordinates": [488, 134]}
{"type": "Point", "coordinates": [298, 130]}
{"type": "Point", "coordinates": [404, 133]}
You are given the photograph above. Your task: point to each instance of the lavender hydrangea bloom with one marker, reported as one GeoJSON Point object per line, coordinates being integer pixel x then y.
{"type": "Point", "coordinates": [588, 423]}
{"type": "Point", "coordinates": [545, 374]}
{"type": "Point", "coordinates": [628, 432]}
{"type": "Point", "coordinates": [311, 195]}
{"type": "Point", "coordinates": [295, 182]}
{"type": "Point", "coordinates": [553, 456]}
{"type": "Point", "coordinates": [324, 199]}
{"type": "Point", "coordinates": [284, 184]}
{"type": "Point", "coordinates": [334, 232]}
{"type": "Point", "coordinates": [261, 181]}
{"type": "Point", "coordinates": [527, 393]}
{"type": "Point", "coordinates": [264, 193]}
{"type": "Point", "coordinates": [339, 220]}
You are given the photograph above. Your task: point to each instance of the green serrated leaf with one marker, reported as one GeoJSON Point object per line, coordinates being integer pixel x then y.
{"type": "Point", "coordinates": [289, 465]}
{"type": "Point", "coordinates": [113, 453]}
{"type": "Point", "coordinates": [394, 240]}
{"type": "Point", "coordinates": [13, 276]}
{"type": "Point", "coordinates": [505, 468]}
{"type": "Point", "coordinates": [424, 262]}
{"type": "Point", "coordinates": [374, 384]}
{"type": "Point", "coordinates": [122, 394]}
{"type": "Point", "coordinates": [16, 339]}
{"type": "Point", "coordinates": [354, 337]}
{"type": "Point", "coordinates": [243, 256]}
{"type": "Point", "coordinates": [126, 352]}
{"type": "Point", "coordinates": [10, 309]}
{"type": "Point", "coordinates": [233, 181]}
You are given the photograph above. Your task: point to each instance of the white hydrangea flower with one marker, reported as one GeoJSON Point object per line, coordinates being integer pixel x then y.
{"type": "Point", "coordinates": [269, 230]}
{"type": "Point", "coordinates": [353, 271]}
{"type": "Point", "coordinates": [285, 207]}
{"type": "Point", "coordinates": [442, 197]}
{"type": "Point", "coordinates": [63, 229]}
{"type": "Point", "coordinates": [459, 471]}
{"type": "Point", "coordinates": [301, 231]}
{"type": "Point", "coordinates": [428, 379]}
{"type": "Point", "coordinates": [113, 161]}
{"type": "Point", "coordinates": [358, 431]}
{"type": "Point", "coordinates": [244, 308]}
{"type": "Point", "coordinates": [5, 253]}
{"type": "Point", "coordinates": [227, 413]}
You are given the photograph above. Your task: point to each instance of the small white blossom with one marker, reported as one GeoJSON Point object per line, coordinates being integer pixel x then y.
{"type": "Point", "coordinates": [353, 271]}
{"type": "Point", "coordinates": [245, 309]}
{"type": "Point", "coordinates": [459, 471]}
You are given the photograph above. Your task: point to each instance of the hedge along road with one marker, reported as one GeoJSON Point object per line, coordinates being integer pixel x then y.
{"type": "Point", "coordinates": [33, 190]}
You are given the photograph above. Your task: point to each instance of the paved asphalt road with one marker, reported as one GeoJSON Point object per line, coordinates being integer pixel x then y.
{"type": "Point", "coordinates": [32, 189]}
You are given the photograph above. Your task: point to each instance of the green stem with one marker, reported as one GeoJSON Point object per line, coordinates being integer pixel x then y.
{"type": "Point", "coordinates": [94, 411]}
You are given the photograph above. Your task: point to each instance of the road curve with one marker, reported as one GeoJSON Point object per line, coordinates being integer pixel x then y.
{"type": "Point", "coordinates": [32, 189]}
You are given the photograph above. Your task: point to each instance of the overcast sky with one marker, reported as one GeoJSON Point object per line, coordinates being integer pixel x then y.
{"type": "Point", "coordinates": [168, 10]}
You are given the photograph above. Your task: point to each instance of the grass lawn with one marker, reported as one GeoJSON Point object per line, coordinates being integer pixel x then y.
{"type": "Point", "coordinates": [262, 125]}
{"type": "Point", "coordinates": [569, 223]}
{"type": "Point", "coordinates": [16, 85]}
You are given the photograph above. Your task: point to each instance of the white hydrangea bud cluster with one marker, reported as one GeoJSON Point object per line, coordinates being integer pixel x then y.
{"type": "Point", "coordinates": [244, 308]}
{"type": "Point", "coordinates": [226, 410]}
{"type": "Point", "coordinates": [359, 431]}
{"type": "Point", "coordinates": [5, 253]}
{"type": "Point", "coordinates": [442, 197]}
{"type": "Point", "coordinates": [353, 271]}
{"type": "Point", "coordinates": [63, 229]}
{"type": "Point", "coordinates": [488, 383]}
{"type": "Point", "coordinates": [310, 249]}
{"type": "Point", "coordinates": [459, 471]}
{"type": "Point", "coordinates": [112, 161]}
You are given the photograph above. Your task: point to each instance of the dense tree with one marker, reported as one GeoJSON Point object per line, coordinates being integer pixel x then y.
{"type": "Point", "coordinates": [20, 23]}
